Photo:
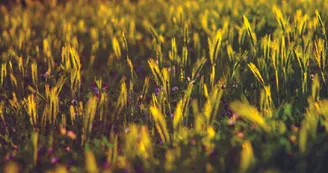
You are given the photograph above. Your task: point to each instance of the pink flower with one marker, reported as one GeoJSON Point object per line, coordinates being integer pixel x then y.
{"type": "Point", "coordinates": [172, 116]}
{"type": "Point", "coordinates": [15, 147]}
{"type": "Point", "coordinates": [240, 134]}
{"type": "Point", "coordinates": [232, 120]}
{"type": "Point", "coordinates": [54, 160]}
{"type": "Point", "coordinates": [71, 135]}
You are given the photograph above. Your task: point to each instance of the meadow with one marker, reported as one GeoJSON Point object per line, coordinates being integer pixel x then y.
{"type": "Point", "coordinates": [164, 86]}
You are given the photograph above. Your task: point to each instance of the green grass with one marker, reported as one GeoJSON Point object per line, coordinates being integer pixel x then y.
{"type": "Point", "coordinates": [164, 86]}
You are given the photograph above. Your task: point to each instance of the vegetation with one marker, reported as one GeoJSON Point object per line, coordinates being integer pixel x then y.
{"type": "Point", "coordinates": [164, 86]}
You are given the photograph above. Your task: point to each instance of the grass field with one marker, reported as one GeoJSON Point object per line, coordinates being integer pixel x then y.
{"type": "Point", "coordinates": [164, 86]}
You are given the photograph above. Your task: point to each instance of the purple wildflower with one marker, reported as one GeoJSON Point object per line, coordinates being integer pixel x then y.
{"type": "Point", "coordinates": [213, 154]}
{"type": "Point", "coordinates": [106, 165]}
{"type": "Point", "coordinates": [175, 88]}
{"type": "Point", "coordinates": [139, 69]}
{"type": "Point", "coordinates": [70, 162]}
{"type": "Point", "coordinates": [41, 150]}
{"type": "Point", "coordinates": [74, 102]}
{"type": "Point", "coordinates": [46, 74]}
{"type": "Point", "coordinates": [95, 90]}
{"type": "Point", "coordinates": [227, 113]}
{"type": "Point", "coordinates": [157, 91]}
